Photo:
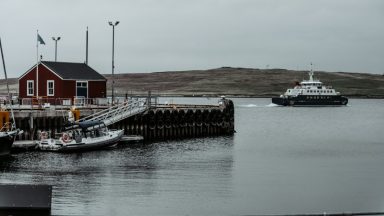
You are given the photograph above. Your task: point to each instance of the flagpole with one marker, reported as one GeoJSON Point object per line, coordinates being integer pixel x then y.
{"type": "Point", "coordinates": [37, 64]}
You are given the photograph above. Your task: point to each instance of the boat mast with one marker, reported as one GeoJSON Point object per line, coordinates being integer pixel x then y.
{"type": "Point", "coordinates": [6, 81]}
{"type": "Point", "coordinates": [311, 73]}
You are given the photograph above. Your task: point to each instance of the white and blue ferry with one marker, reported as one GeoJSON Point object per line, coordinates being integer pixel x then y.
{"type": "Point", "coordinates": [311, 93]}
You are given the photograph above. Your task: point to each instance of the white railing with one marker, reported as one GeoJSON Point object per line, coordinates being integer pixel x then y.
{"type": "Point", "coordinates": [117, 113]}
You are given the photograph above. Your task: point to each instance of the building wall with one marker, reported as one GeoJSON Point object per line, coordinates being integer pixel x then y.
{"type": "Point", "coordinates": [68, 88]}
{"type": "Point", "coordinates": [44, 75]}
{"type": "Point", "coordinates": [97, 89]}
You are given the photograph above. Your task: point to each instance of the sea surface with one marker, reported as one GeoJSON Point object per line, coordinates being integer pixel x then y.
{"type": "Point", "coordinates": [281, 160]}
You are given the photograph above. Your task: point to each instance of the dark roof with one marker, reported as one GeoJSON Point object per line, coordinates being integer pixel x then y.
{"type": "Point", "coordinates": [73, 71]}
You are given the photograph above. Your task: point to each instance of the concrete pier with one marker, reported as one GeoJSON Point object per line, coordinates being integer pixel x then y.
{"type": "Point", "coordinates": [159, 122]}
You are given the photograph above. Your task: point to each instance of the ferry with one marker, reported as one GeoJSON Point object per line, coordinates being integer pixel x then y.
{"type": "Point", "coordinates": [311, 92]}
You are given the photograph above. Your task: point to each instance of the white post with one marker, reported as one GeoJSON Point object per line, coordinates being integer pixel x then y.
{"type": "Point", "coordinates": [37, 64]}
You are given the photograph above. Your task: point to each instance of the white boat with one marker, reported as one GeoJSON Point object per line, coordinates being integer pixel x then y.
{"type": "Point", "coordinates": [311, 92]}
{"type": "Point", "coordinates": [81, 139]}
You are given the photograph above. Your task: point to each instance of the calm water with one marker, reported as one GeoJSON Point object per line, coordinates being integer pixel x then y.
{"type": "Point", "coordinates": [282, 160]}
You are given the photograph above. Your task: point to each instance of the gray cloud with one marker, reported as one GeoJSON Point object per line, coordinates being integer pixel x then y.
{"type": "Point", "coordinates": [337, 35]}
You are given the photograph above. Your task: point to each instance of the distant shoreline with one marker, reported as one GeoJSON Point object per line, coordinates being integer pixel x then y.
{"type": "Point", "coordinates": [233, 82]}
{"type": "Point", "coordinates": [247, 96]}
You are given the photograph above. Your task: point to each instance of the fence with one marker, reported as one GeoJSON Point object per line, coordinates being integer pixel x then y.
{"type": "Point", "coordinates": [45, 102]}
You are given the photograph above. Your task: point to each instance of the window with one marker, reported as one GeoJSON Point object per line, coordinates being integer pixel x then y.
{"type": "Point", "coordinates": [82, 84]}
{"type": "Point", "coordinates": [50, 88]}
{"type": "Point", "coordinates": [30, 88]}
{"type": "Point", "coordinates": [82, 89]}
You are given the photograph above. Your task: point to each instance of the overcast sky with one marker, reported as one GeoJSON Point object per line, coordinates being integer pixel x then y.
{"type": "Point", "coordinates": [162, 35]}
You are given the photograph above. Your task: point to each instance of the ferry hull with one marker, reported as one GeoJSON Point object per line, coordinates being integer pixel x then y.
{"type": "Point", "coordinates": [303, 100]}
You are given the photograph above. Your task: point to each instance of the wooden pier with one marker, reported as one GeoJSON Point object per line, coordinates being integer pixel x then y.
{"type": "Point", "coordinates": [158, 122]}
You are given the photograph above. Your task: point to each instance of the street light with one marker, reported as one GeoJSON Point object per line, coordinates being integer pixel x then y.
{"type": "Point", "coordinates": [113, 57]}
{"type": "Point", "coordinates": [55, 39]}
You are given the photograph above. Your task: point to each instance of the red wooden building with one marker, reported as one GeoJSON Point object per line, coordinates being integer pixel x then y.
{"type": "Point", "coordinates": [62, 80]}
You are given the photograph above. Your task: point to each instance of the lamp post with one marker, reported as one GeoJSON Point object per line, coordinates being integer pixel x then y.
{"type": "Point", "coordinates": [56, 39]}
{"type": "Point", "coordinates": [113, 57]}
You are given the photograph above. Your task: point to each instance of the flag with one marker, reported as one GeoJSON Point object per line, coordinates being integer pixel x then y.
{"type": "Point", "coordinates": [39, 39]}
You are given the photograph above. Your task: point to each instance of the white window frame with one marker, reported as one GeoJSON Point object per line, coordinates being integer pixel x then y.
{"type": "Point", "coordinates": [86, 85]}
{"type": "Point", "coordinates": [33, 87]}
{"type": "Point", "coordinates": [53, 87]}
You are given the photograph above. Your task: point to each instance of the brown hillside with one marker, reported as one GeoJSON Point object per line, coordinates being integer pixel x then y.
{"type": "Point", "coordinates": [242, 82]}
{"type": "Point", "coordinates": [234, 82]}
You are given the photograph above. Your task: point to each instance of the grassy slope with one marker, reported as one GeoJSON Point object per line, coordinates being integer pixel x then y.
{"type": "Point", "coordinates": [235, 81]}
{"type": "Point", "coordinates": [242, 81]}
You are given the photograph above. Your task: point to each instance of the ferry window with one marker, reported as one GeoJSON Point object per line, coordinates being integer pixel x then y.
{"type": "Point", "coordinates": [50, 87]}
{"type": "Point", "coordinates": [30, 89]}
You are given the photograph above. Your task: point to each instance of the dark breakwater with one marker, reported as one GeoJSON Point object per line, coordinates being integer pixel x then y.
{"type": "Point", "coordinates": [160, 122]}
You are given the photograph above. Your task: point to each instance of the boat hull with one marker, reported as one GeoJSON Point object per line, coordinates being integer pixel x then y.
{"type": "Point", "coordinates": [304, 100]}
{"type": "Point", "coordinates": [5, 145]}
{"type": "Point", "coordinates": [90, 146]}
{"type": "Point", "coordinates": [6, 141]}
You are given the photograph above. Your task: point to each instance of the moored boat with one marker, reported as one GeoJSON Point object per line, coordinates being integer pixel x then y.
{"type": "Point", "coordinates": [8, 131]}
{"type": "Point", "coordinates": [83, 139]}
{"type": "Point", "coordinates": [7, 137]}
{"type": "Point", "coordinates": [311, 93]}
